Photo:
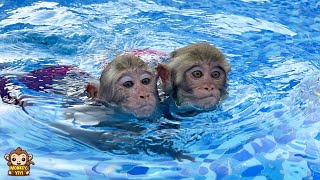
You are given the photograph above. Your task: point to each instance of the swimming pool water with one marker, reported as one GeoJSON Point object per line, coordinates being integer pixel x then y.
{"type": "Point", "coordinates": [268, 127]}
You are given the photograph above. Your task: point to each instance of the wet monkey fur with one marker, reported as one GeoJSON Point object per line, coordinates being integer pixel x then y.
{"type": "Point", "coordinates": [195, 77]}
{"type": "Point", "coordinates": [129, 83]}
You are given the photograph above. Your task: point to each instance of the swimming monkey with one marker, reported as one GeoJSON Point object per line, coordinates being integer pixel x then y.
{"type": "Point", "coordinates": [195, 77]}
{"type": "Point", "coordinates": [129, 83]}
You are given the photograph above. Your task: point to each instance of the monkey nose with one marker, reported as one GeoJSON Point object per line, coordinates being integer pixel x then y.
{"type": "Point", "coordinates": [145, 96]}
{"type": "Point", "coordinates": [209, 88]}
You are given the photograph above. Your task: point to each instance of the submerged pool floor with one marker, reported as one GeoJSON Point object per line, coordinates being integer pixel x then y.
{"type": "Point", "coordinates": [268, 127]}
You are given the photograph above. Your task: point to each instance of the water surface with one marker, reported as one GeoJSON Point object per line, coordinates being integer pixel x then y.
{"type": "Point", "coordinates": [268, 127]}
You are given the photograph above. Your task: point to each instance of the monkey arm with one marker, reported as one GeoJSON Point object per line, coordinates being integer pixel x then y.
{"type": "Point", "coordinates": [161, 146]}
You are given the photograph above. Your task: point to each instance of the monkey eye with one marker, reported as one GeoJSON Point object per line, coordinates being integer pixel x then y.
{"type": "Point", "coordinates": [197, 74]}
{"type": "Point", "coordinates": [145, 81]}
{"type": "Point", "coordinates": [23, 159]}
{"type": "Point", "coordinates": [128, 84]}
{"type": "Point", "coordinates": [215, 74]}
{"type": "Point", "coordinates": [13, 159]}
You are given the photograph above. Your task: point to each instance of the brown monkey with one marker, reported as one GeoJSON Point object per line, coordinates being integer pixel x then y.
{"type": "Point", "coordinates": [195, 77]}
{"type": "Point", "coordinates": [19, 162]}
{"type": "Point", "coordinates": [129, 83]}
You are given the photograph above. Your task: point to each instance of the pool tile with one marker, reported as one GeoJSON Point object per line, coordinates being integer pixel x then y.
{"type": "Point", "coordinates": [203, 170]}
{"type": "Point", "coordinates": [243, 155]}
{"type": "Point", "coordinates": [278, 114]}
{"type": "Point", "coordinates": [266, 145]}
{"type": "Point", "coordinates": [214, 146]}
{"type": "Point", "coordinates": [220, 170]}
{"type": "Point", "coordinates": [317, 137]}
{"type": "Point", "coordinates": [138, 170]}
{"type": "Point", "coordinates": [315, 170]}
{"type": "Point", "coordinates": [285, 139]}
{"type": "Point", "coordinates": [252, 171]}
{"type": "Point", "coordinates": [260, 178]}
{"type": "Point", "coordinates": [235, 149]}
{"type": "Point", "coordinates": [203, 156]}
{"type": "Point", "coordinates": [208, 160]}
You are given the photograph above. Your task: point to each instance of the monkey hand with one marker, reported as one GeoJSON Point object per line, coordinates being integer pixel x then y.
{"type": "Point", "coordinates": [180, 156]}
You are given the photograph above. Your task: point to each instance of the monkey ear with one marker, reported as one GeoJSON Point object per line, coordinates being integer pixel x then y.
{"type": "Point", "coordinates": [92, 89]}
{"type": "Point", "coordinates": [6, 156]}
{"type": "Point", "coordinates": [165, 76]}
{"type": "Point", "coordinates": [174, 54]}
{"type": "Point", "coordinates": [164, 72]}
{"type": "Point", "coordinates": [30, 156]}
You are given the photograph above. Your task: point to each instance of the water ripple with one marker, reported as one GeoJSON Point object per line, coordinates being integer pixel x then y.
{"type": "Point", "coordinates": [270, 119]}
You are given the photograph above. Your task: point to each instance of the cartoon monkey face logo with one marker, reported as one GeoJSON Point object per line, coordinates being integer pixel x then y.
{"type": "Point", "coordinates": [19, 162]}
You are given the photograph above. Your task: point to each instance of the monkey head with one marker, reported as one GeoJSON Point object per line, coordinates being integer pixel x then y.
{"type": "Point", "coordinates": [129, 83]}
{"type": "Point", "coordinates": [195, 77]}
{"type": "Point", "coordinates": [18, 157]}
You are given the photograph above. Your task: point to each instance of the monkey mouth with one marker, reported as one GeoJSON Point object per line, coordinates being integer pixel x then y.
{"type": "Point", "coordinates": [143, 110]}
{"type": "Point", "coordinates": [201, 103]}
{"type": "Point", "coordinates": [206, 97]}
{"type": "Point", "coordinates": [209, 105]}
{"type": "Point", "coordinates": [208, 101]}
{"type": "Point", "coordinates": [145, 107]}
{"type": "Point", "coordinates": [18, 163]}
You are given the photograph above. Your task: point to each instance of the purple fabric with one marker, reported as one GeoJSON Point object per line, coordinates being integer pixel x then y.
{"type": "Point", "coordinates": [3, 91]}
{"type": "Point", "coordinates": [40, 79]}
{"type": "Point", "coordinates": [3, 82]}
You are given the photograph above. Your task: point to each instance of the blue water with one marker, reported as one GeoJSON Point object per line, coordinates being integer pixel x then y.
{"type": "Point", "coordinates": [268, 127]}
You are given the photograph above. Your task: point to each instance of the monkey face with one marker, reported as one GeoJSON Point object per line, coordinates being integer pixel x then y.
{"type": "Point", "coordinates": [201, 87]}
{"type": "Point", "coordinates": [18, 160]}
{"type": "Point", "coordinates": [136, 92]}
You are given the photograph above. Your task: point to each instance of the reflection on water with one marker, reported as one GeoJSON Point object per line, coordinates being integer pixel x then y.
{"type": "Point", "coordinates": [268, 126]}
